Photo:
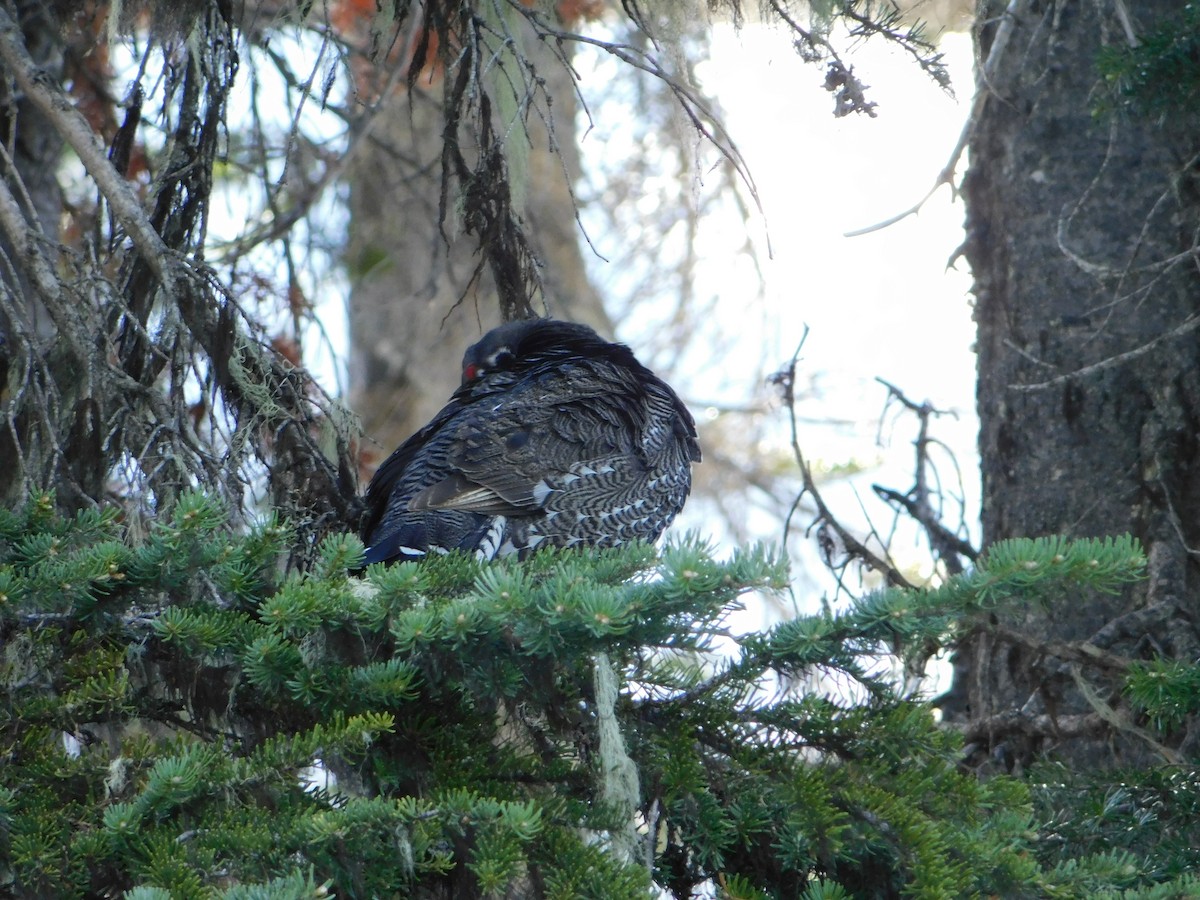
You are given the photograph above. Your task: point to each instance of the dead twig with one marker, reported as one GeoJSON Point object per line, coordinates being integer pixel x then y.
{"type": "Point", "coordinates": [946, 545]}
{"type": "Point", "coordinates": [75, 130]}
{"type": "Point", "coordinates": [826, 523]}
{"type": "Point", "coordinates": [983, 91]}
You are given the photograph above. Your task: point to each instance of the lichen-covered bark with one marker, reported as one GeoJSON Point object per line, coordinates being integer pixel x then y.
{"type": "Point", "coordinates": [1081, 233]}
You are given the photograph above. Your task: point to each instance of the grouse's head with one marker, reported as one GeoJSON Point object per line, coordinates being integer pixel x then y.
{"type": "Point", "coordinates": [528, 342]}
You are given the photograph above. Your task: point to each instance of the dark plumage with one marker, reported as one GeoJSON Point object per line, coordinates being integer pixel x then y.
{"type": "Point", "coordinates": [555, 438]}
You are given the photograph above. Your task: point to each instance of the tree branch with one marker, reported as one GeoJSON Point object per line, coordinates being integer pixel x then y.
{"type": "Point", "coordinates": [983, 91]}
{"type": "Point", "coordinates": [1075, 651]}
{"type": "Point", "coordinates": [947, 545]}
{"type": "Point", "coordinates": [785, 379]}
{"type": "Point", "coordinates": [76, 131]}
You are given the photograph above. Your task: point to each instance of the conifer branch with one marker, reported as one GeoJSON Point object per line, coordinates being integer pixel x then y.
{"type": "Point", "coordinates": [406, 694]}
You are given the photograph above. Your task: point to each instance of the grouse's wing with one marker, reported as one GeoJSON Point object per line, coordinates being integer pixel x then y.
{"type": "Point", "coordinates": [509, 450]}
{"type": "Point", "coordinates": [379, 492]}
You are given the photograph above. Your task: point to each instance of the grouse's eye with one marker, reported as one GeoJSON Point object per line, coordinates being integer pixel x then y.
{"type": "Point", "coordinates": [497, 360]}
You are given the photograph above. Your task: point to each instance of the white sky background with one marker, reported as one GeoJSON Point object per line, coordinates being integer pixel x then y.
{"type": "Point", "coordinates": [879, 304]}
{"type": "Point", "coordinates": [883, 304]}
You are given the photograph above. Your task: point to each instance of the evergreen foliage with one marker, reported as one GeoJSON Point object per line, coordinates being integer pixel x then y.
{"type": "Point", "coordinates": [1149, 819]}
{"type": "Point", "coordinates": [182, 720]}
{"type": "Point", "coordinates": [1157, 76]}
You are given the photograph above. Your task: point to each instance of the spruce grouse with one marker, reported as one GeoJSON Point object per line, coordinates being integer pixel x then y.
{"type": "Point", "coordinates": [555, 438]}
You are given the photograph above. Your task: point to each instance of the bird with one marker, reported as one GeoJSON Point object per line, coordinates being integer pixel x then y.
{"type": "Point", "coordinates": [555, 438]}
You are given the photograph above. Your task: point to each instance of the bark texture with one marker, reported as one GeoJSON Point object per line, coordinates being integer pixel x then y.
{"type": "Point", "coordinates": [1082, 231]}
{"type": "Point", "coordinates": [34, 149]}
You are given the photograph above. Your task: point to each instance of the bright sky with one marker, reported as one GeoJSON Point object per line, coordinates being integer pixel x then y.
{"type": "Point", "coordinates": [883, 304]}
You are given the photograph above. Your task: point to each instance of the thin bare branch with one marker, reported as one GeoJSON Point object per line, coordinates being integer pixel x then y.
{"type": "Point", "coordinates": [854, 549]}
{"type": "Point", "coordinates": [1008, 21]}
{"type": "Point", "coordinates": [76, 131]}
{"type": "Point", "coordinates": [1190, 324]}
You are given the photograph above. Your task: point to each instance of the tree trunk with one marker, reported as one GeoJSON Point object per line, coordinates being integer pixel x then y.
{"type": "Point", "coordinates": [1089, 388]}
{"type": "Point", "coordinates": [414, 306]}
{"type": "Point", "coordinates": [35, 149]}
